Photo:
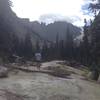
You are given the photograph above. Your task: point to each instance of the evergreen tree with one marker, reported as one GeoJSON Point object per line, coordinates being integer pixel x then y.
{"type": "Point", "coordinates": [85, 44]}
{"type": "Point", "coordinates": [15, 44]}
{"type": "Point", "coordinates": [21, 48]}
{"type": "Point", "coordinates": [95, 42]}
{"type": "Point", "coordinates": [45, 51]}
{"type": "Point", "coordinates": [37, 46]}
{"type": "Point", "coordinates": [95, 38]}
{"type": "Point", "coordinates": [28, 46]}
{"type": "Point", "coordinates": [61, 49]}
{"type": "Point", "coordinates": [95, 7]}
{"type": "Point", "coordinates": [69, 45]}
{"type": "Point", "coordinates": [57, 46]}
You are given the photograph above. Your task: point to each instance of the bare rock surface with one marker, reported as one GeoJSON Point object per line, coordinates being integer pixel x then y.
{"type": "Point", "coordinates": [39, 86]}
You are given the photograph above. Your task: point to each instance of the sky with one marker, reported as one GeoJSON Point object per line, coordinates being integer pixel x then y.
{"type": "Point", "coordinates": [51, 10]}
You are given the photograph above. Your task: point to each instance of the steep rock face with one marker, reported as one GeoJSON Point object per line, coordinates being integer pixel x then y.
{"type": "Point", "coordinates": [51, 30]}
{"type": "Point", "coordinates": [13, 33]}
{"type": "Point", "coordinates": [8, 19]}
{"type": "Point", "coordinates": [11, 24]}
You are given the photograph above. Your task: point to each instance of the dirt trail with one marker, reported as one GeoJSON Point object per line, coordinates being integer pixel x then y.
{"type": "Point", "coordinates": [38, 86]}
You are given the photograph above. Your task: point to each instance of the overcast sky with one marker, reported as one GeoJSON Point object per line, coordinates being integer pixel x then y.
{"type": "Point", "coordinates": [51, 10]}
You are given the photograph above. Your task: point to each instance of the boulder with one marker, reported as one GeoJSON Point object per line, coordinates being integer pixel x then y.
{"type": "Point", "coordinates": [93, 75]}
{"type": "Point", "coordinates": [90, 75]}
{"type": "Point", "coordinates": [3, 72]}
{"type": "Point", "coordinates": [99, 79]}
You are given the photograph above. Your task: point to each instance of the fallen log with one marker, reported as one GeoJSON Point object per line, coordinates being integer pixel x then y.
{"type": "Point", "coordinates": [50, 72]}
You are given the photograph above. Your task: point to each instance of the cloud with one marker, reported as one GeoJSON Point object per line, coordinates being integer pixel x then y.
{"type": "Point", "coordinates": [50, 18]}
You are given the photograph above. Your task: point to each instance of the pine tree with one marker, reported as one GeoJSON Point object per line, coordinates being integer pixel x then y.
{"type": "Point", "coordinates": [95, 46]}
{"type": "Point", "coordinates": [85, 44]}
{"type": "Point", "coordinates": [57, 46]}
{"type": "Point", "coordinates": [28, 46]}
{"type": "Point", "coordinates": [95, 38]}
{"type": "Point", "coordinates": [61, 49]}
{"type": "Point", "coordinates": [45, 51]}
{"type": "Point", "coordinates": [95, 7]}
{"type": "Point", "coordinates": [37, 46]}
{"type": "Point", "coordinates": [69, 45]}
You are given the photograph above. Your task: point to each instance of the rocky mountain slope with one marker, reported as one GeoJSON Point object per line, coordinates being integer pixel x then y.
{"type": "Point", "coordinates": [51, 30]}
